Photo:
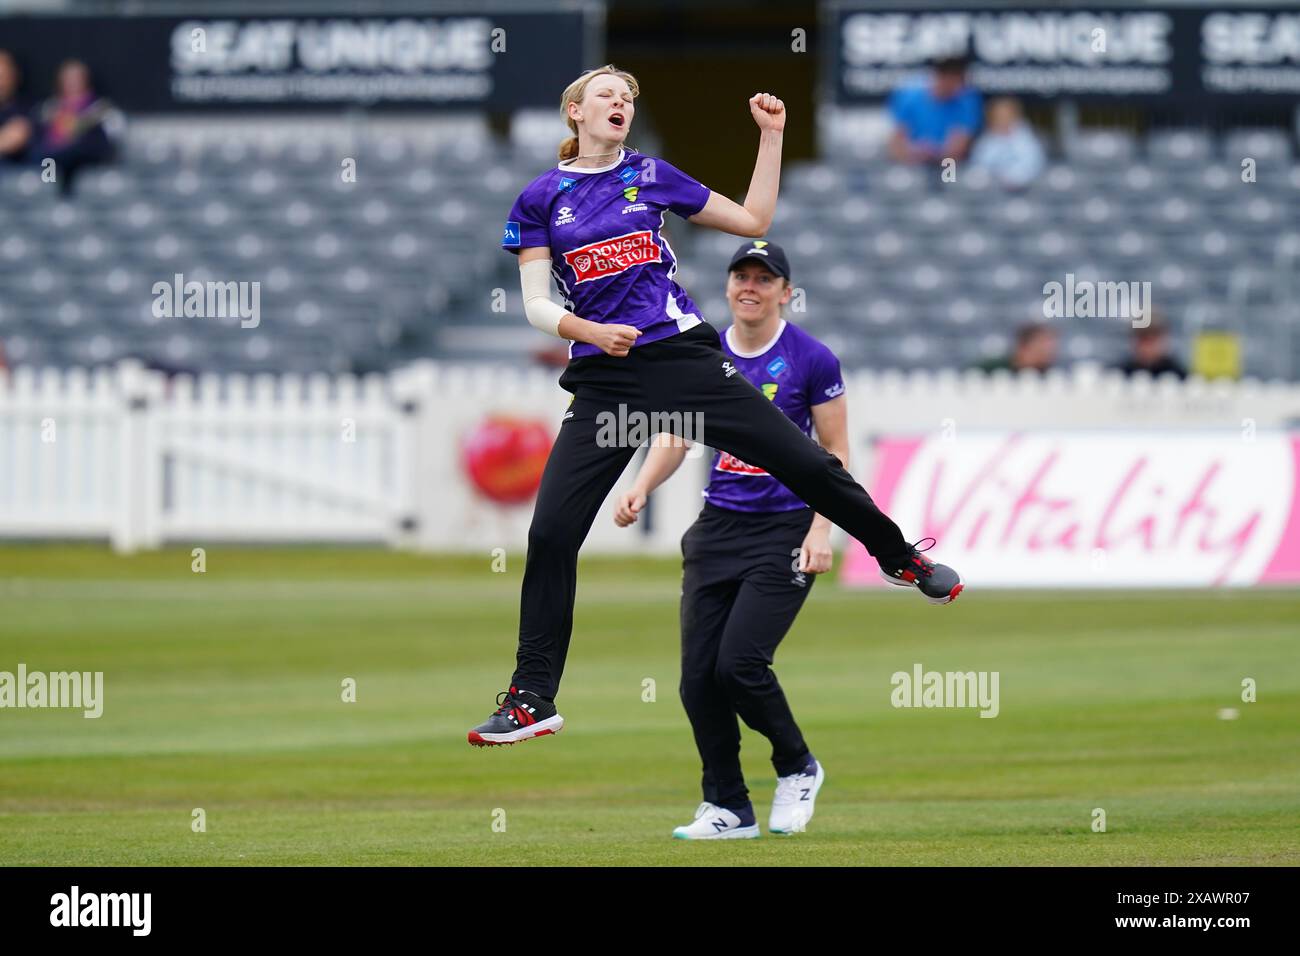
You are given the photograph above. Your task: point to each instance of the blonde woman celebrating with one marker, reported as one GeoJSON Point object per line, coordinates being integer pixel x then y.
{"type": "Point", "coordinates": [594, 225]}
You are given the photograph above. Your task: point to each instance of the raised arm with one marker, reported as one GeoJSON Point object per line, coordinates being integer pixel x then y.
{"type": "Point", "coordinates": [754, 218]}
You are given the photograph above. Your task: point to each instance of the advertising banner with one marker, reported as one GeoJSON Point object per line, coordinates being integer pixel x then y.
{"type": "Point", "coordinates": [1151, 54]}
{"type": "Point", "coordinates": [1095, 509]}
{"type": "Point", "coordinates": [477, 59]}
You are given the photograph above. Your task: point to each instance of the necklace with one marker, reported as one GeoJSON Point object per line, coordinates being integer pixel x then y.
{"type": "Point", "coordinates": [612, 152]}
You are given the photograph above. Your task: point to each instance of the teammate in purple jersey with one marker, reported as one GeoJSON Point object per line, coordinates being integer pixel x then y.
{"type": "Point", "coordinates": [593, 226]}
{"type": "Point", "coordinates": [750, 560]}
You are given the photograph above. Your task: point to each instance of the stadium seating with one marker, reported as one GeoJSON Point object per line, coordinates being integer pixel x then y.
{"type": "Point", "coordinates": [896, 268]}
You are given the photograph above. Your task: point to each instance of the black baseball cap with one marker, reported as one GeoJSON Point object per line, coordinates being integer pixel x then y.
{"type": "Point", "coordinates": [768, 253]}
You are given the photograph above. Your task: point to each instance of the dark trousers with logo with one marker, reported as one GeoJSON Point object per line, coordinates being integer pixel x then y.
{"type": "Point", "coordinates": [684, 373]}
{"type": "Point", "coordinates": [740, 594]}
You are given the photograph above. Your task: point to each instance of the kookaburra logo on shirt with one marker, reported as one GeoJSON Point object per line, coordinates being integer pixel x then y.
{"type": "Point", "coordinates": [630, 195]}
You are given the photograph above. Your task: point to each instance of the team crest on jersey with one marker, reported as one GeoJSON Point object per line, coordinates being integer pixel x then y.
{"type": "Point", "coordinates": [609, 257]}
{"type": "Point", "coordinates": [776, 367]}
{"type": "Point", "coordinates": [567, 183]}
{"type": "Point", "coordinates": [769, 390]}
{"type": "Point", "coordinates": [730, 463]}
{"type": "Point", "coordinates": [630, 195]}
{"type": "Point", "coordinates": [629, 175]}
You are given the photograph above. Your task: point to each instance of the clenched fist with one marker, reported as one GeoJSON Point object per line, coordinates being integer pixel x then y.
{"type": "Point", "coordinates": [768, 112]}
{"type": "Point", "coordinates": [615, 340]}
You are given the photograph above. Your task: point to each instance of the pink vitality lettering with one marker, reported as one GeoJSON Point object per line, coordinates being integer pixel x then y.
{"type": "Point", "coordinates": [1042, 522]}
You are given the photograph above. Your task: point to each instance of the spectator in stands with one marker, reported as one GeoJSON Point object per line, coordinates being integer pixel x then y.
{"type": "Point", "coordinates": [1152, 352]}
{"type": "Point", "coordinates": [15, 123]}
{"type": "Point", "coordinates": [1008, 148]}
{"type": "Point", "coordinates": [74, 124]}
{"type": "Point", "coordinates": [1035, 350]}
{"type": "Point", "coordinates": [935, 118]}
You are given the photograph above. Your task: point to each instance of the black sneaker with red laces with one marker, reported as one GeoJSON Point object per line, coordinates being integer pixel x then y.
{"type": "Point", "coordinates": [520, 715]}
{"type": "Point", "coordinates": [939, 583]}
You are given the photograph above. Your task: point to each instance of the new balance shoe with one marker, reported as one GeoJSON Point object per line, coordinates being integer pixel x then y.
{"type": "Point", "coordinates": [796, 797]}
{"type": "Point", "coordinates": [520, 715]}
{"type": "Point", "coordinates": [939, 583]}
{"type": "Point", "coordinates": [718, 823]}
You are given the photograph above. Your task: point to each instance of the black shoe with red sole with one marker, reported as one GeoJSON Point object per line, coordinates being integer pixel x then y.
{"type": "Point", "coordinates": [939, 583]}
{"type": "Point", "coordinates": [520, 715]}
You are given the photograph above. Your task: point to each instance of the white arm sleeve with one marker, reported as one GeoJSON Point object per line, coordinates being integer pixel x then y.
{"type": "Point", "coordinates": [535, 277]}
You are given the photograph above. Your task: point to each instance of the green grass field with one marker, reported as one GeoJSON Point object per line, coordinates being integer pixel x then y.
{"type": "Point", "coordinates": [223, 692]}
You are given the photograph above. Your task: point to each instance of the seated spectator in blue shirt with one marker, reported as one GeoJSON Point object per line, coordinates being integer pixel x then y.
{"type": "Point", "coordinates": [15, 124]}
{"type": "Point", "coordinates": [937, 117]}
{"type": "Point", "coordinates": [1008, 148]}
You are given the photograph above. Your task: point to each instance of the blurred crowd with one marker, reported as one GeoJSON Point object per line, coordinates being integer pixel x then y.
{"type": "Point", "coordinates": [939, 116]}
{"type": "Point", "coordinates": [1036, 349]}
{"type": "Point", "coordinates": [939, 119]}
{"type": "Point", "coordinates": [70, 126]}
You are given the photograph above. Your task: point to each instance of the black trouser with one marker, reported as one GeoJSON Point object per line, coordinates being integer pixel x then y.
{"type": "Point", "coordinates": [686, 373]}
{"type": "Point", "coordinates": [740, 594]}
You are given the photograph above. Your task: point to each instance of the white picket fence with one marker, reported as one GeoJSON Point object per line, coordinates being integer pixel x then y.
{"type": "Point", "coordinates": [128, 455]}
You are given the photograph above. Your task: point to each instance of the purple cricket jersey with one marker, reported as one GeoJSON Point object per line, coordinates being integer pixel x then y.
{"type": "Point", "coordinates": [608, 255]}
{"type": "Point", "coordinates": [796, 372]}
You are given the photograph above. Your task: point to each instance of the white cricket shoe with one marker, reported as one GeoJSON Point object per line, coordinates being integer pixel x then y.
{"type": "Point", "coordinates": [715, 823]}
{"type": "Point", "coordinates": [796, 795]}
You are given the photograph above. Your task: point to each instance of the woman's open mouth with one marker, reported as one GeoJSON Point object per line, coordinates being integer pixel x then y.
{"type": "Point", "coordinates": [616, 119]}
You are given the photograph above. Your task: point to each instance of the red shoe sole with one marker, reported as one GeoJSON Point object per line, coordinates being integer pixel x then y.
{"type": "Point", "coordinates": [477, 741]}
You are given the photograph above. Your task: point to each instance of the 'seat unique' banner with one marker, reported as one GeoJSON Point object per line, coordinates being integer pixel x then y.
{"type": "Point", "coordinates": [1151, 53]}
{"type": "Point", "coordinates": [483, 56]}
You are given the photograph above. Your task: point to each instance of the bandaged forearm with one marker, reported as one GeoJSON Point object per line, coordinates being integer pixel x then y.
{"type": "Point", "coordinates": [535, 277]}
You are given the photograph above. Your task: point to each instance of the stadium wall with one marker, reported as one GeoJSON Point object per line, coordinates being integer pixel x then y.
{"type": "Point", "coordinates": [1083, 477]}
